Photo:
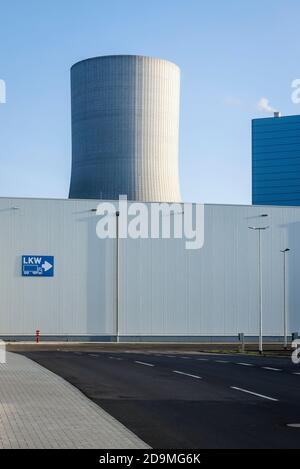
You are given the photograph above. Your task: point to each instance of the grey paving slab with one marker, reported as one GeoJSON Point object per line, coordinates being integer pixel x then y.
{"type": "Point", "coordinates": [38, 409]}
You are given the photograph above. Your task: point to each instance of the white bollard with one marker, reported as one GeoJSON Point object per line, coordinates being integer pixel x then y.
{"type": "Point", "coordinates": [2, 352]}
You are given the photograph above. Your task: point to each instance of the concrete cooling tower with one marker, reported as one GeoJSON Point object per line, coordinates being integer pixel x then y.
{"type": "Point", "coordinates": [125, 123]}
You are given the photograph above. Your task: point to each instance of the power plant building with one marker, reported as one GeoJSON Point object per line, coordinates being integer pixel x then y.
{"type": "Point", "coordinates": [58, 276]}
{"type": "Point", "coordinates": [125, 126]}
{"type": "Point", "coordinates": [165, 291]}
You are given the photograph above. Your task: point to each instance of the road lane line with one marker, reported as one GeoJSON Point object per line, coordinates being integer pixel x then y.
{"type": "Point", "coordinates": [221, 361]}
{"type": "Point", "coordinates": [245, 364]}
{"type": "Point", "coordinates": [270, 368]}
{"type": "Point", "coordinates": [202, 359]}
{"type": "Point", "coordinates": [115, 358]}
{"type": "Point", "coordinates": [186, 358]}
{"type": "Point", "coordinates": [186, 374]}
{"type": "Point", "coordinates": [143, 363]}
{"type": "Point", "coordinates": [254, 393]}
{"type": "Point", "coordinates": [296, 373]}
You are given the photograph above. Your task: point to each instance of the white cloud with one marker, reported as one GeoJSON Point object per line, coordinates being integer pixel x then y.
{"type": "Point", "coordinates": [264, 105]}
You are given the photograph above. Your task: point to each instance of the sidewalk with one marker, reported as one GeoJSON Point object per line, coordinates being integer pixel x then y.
{"type": "Point", "coordinates": [38, 409]}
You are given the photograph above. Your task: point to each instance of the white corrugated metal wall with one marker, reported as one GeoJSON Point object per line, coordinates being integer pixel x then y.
{"type": "Point", "coordinates": [165, 290]}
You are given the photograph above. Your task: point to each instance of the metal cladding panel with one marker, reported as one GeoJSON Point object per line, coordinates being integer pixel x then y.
{"type": "Point", "coordinates": [276, 161]}
{"type": "Point", "coordinates": [165, 290]}
{"type": "Point", "coordinates": [125, 126]}
{"type": "Point", "coordinates": [80, 297]}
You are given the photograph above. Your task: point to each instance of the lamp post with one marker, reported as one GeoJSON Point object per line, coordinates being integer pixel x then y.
{"type": "Point", "coordinates": [117, 275]}
{"type": "Point", "coordinates": [285, 326]}
{"type": "Point", "coordinates": [259, 229]}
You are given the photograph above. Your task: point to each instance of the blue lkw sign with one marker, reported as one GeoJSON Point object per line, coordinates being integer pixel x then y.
{"type": "Point", "coordinates": [37, 266]}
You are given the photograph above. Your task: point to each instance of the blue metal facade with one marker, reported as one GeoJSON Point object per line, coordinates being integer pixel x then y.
{"type": "Point", "coordinates": [276, 161]}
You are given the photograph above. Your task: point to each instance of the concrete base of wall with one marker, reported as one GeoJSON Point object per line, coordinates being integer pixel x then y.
{"type": "Point", "coordinates": [141, 339]}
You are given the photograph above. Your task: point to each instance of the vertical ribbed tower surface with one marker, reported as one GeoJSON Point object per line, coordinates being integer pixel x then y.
{"type": "Point", "coordinates": [125, 126]}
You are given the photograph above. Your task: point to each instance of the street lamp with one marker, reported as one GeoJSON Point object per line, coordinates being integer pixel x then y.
{"type": "Point", "coordinates": [117, 277]}
{"type": "Point", "coordinates": [284, 251]}
{"type": "Point", "coordinates": [117, 318]}
{"type": "Point", "coordinates": [259, 229]}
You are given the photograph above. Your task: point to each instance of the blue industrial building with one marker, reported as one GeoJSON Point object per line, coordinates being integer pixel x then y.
{"type": "Point", "coordinates": [276, 160]}
{"type": "Point", "coordinates": [125, 128]}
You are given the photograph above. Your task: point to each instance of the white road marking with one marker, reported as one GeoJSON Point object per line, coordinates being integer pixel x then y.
{"type": "Point", "coordinates": [270, 368]}
{"type": "Point", "coordinates": [186, 358]}
{"type": "Point", "coordinates": [170, 356]}
{"type": "Point", "coordinates": [202, 359]}
{"type": "Point", "coordinates": [254, 393]}
{"type": "Point", "coordinates": [296, 373]}
{"type": "Point", "coordinates": [93, 355]}
{"type": "Point", "coordinates": [115, 358]}
{"type": "Point", "coordinates": [245, 364]}
{"type": "Point", "coordinates": [143, 363]}
{"type": "Point", "coordinates": [293, 425]}
{"type": "Point", "coordinates": [221, 361]}
{"type": "Point", "coordinates": [186, 374]}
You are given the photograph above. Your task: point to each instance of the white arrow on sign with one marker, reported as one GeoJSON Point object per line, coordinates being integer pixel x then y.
{"type": "Point", "coordinates": [46, 266]}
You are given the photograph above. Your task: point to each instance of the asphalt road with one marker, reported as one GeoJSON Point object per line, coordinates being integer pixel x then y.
{"type": "Point", "coordinates": [190, 400]}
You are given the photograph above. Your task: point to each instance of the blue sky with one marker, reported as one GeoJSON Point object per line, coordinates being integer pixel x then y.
{"type": "Point", "coordinates": [231, 54]}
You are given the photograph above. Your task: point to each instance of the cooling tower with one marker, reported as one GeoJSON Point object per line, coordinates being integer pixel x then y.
{"type": "Point", "coordinates": [125, 123]}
